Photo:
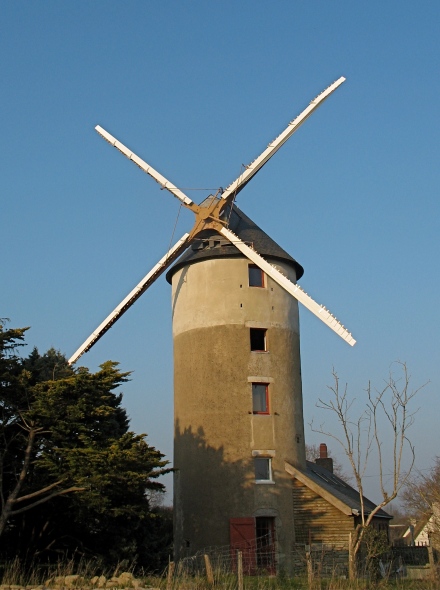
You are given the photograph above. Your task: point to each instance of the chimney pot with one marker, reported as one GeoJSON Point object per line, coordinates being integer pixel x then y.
{"type": "Point", "coordinates": [323, 451]}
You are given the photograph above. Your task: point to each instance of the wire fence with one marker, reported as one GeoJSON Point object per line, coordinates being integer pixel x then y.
{"type": "Point", "coordinates": [257, 557]}
{"type": "Point", "coordinates": [316, 561]}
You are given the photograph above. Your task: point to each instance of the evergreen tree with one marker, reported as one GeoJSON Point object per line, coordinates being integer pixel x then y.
{"type": "Point", "coordinates": [74, 479]}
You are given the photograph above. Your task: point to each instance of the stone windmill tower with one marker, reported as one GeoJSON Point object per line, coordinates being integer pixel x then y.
{"type": "Point", "coordinates": [237, 376]}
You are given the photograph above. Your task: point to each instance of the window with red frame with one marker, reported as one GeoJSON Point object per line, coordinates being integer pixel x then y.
{"type": "Point", "coordinates": [260, 398]}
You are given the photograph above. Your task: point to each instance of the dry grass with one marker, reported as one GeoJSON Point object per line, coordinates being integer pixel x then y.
{"type": "Point", "coordinates": [14, 573]}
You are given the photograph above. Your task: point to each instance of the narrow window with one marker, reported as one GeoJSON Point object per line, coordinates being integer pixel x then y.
{"type": "Point", "coordinates": [256, 276]}
{"type": "Point", "coordinates": [258, 339]}
{"type": "Point", "coordinates": [260, 398]}
{"type": "Point", "coordinates": [262, 469]}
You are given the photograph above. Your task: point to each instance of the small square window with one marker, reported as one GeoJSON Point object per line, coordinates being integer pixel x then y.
{"type": "Point", "coordinates": [258, 339]}
{"type": "Point", "coordinates": [260, 398]}
{"type": "Point", "coordinates": [263, 471]}
{"type": "Point", "coordinates": [256, 276]}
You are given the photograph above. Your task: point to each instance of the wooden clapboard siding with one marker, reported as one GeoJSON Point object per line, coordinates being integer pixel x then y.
{"type": "Point", "coordinates": [318, 521]}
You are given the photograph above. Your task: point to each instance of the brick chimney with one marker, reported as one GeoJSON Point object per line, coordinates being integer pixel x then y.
{"type": "Point", "coordinates": [324, 460]}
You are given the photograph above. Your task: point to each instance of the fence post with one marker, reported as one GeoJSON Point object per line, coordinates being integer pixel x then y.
{"type": "Point", "coordinates": [351, 562]}
{"type": "Point", "coordinates": [309, 566]}
{"type": "Point", "coordinates": [170, 575]}
{"type": "Point", "coordinates": [240, 570]}
{"type": "Point", "coordinates": [431, 561]}
{"type": "Point", "coordinates": [208, 566]}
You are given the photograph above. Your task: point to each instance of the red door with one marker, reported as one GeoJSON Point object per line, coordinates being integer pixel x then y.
{"type": "Point", "coordinates": [242, 538]}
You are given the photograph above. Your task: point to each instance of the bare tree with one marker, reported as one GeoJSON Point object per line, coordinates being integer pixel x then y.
{"type": "Point", "coordinates": [364, 435]}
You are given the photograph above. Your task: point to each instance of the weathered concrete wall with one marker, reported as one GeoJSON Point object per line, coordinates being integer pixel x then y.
{"type": "Point", "coordinates": [215, 429]}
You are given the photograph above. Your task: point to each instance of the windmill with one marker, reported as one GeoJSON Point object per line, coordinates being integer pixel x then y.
{"type": "Point", "coordinates": [238, 398]}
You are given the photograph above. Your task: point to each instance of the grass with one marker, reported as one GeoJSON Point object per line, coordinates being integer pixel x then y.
{"type": "Point", "coordinates": [14, 573]}
{"type": "Point", "coordinates": [17, 574]}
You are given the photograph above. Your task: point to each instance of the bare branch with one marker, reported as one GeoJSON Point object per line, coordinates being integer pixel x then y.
{"type": "Point", "coordinates": [47, 498]}
{"type": "Point", "coordinates": [39, 492]}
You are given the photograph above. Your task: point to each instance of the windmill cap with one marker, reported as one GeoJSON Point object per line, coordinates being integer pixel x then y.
{"type": "Point", "coordinates": [210, 244]}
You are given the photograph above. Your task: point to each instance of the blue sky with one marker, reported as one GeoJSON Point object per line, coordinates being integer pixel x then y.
{"type": "Point", "coordinates": [197, 89]}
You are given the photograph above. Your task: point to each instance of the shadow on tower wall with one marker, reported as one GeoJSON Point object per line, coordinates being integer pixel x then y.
{"type": "Point", "coordinates": [210, 488]}
{"type": "Point", "coordinates": [182, 280]}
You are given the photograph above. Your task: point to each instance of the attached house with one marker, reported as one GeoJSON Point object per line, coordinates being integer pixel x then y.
{"type": "Point", "coordinates": [326, 508]}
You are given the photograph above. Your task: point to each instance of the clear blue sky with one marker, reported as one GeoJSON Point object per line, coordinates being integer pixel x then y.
{"type": "Point", "coordinates": [198, 88]}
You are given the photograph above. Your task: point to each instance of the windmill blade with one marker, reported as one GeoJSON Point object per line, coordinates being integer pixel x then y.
{"type": "Point", "coordinates": [319, 310]}
{"type": "Point", "coordinates": [140, 288]}
{"type": "Point", "coordinates": [164, 183]}
{"type": "Point", "coordinates": [238, 184]}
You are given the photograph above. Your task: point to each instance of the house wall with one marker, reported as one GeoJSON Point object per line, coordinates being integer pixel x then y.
{"type": "Point", "coordinates": [216, 432]}
{"type": "Point", "coordinates": [318, 521]}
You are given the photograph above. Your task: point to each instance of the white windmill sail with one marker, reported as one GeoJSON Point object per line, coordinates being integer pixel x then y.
{"type": "Point", "coordinates": [318, 310]}
{"type": "Point", "coordinates": [252, 168]}
{"type": "Point", "coordinates": [167, 260]}
{"type": "Point", "coordinates": [164, 183]}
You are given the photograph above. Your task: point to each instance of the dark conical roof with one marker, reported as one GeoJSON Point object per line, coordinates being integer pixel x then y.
{"type": "Point", "coordinates": [210, 245]}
